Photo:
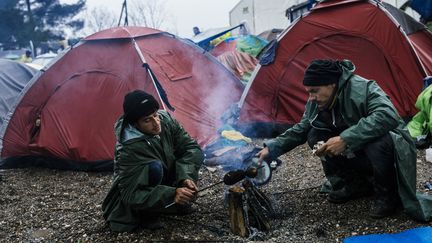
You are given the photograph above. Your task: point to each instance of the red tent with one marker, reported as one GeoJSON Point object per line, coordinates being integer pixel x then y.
{"type": "Point", "coordinates": [78, 98]}
{"type": "Point", "coordinates": [393, 49]}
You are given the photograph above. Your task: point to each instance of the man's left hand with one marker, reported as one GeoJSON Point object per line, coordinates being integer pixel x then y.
{"type": "Point", "coordinates": [334, 146]}
{"type": "Point", "coordinates": [190, 184]}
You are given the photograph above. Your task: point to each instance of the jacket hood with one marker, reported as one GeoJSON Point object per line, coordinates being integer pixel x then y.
{"type": "Point", "coordinates": [348, 69]}
{"type": "Point", "coordinates": [125, 133]}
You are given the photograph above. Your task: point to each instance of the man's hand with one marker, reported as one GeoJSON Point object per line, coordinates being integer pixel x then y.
{"type": "Point", "coordinates": [334, 146]}
{"type": "Point", "coordinates": [190, 184]}
{"type": "Point", "coordinates": [262, 155]}
{"type": "Point", "coordinates": [184, 195]}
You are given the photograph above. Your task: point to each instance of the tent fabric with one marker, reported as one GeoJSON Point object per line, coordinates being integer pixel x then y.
{"type": "Point", "coordinates": [43, 60]}
{"type": "Point", "coordinates": [13, 78]}
{"type": "Point", "coordinates": [361, 31]}
{"type": "Point", "coordinates": [69, 111]}
{"type": "Point", "coordinates": [122, 33]}
{"type": "Point", "coordinates": [270, 35]}
{"type": "Point", "coordinates": [422, 42]}
{"type": "Point", "coordinates": [408, 24]}
{"type": "Point", "coordinates": [418, 34]}
{"type": "Point", "coordinates": [268, 54]}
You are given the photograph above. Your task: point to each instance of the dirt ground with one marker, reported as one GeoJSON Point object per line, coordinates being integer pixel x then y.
{"type": "Point", "coordinates": [39, 205]}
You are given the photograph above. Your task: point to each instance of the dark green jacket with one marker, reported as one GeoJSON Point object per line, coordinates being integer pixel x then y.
{"type": "Point", "coordinates": [369, 113]}
{"type": "Point", "coordinates": [131, 196]}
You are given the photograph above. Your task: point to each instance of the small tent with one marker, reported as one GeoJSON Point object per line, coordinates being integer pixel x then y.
{"type": "Point", "coordinates": [384, 43]}
{"type": "Point", "coordinates": [14, 76]}
{"type": "Point", "coordinates": [66, 114]}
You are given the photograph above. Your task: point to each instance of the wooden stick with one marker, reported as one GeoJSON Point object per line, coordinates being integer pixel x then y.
{"type": "Point", "coordinates": [237, 215]}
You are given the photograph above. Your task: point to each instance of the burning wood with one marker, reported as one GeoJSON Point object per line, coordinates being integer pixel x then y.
{"type": "Point", "coordinates": [249, 208]}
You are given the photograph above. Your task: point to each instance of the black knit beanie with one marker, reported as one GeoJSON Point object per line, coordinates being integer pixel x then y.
{"type": "Point", "coordinates": [322, 72]}
{"type": "Point", "coordinates": [137, 104]}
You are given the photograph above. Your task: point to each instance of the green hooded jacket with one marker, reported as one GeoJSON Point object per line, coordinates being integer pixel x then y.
{"type": "Point", "coordinates": [131, 196]}
{"type": "Point", "coordinates": [369, 113]}
{"type": "Point", "coordinates": [421, 123]}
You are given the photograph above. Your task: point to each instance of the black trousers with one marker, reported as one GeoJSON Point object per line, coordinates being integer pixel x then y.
{"type": "Point", "coordinates": [373, 165]}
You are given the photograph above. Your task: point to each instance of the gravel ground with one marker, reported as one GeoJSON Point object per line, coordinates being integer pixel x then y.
{"type": "Point", "coordinates": [39, 205]}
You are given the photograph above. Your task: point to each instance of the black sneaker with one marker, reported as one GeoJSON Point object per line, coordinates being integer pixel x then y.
{"type": "Point", "coordinates": [382, 208]}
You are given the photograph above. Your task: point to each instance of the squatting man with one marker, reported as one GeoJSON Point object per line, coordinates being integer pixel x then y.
{"type": "Point", "coordinates": [366, 148]}
{"type": "Point", "coordinates": [155, 167]}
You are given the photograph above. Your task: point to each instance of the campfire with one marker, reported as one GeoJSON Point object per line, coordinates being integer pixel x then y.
{"type": "Point", "coordinates": [249, 209]}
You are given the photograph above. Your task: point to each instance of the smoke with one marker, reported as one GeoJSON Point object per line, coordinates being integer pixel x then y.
{"type": "Point", "coordinates": [222, 89]}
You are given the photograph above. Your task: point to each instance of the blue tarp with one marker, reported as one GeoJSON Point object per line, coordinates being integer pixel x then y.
{"type": "Point", "coordinates": [204, 39]}
{"type": "Point", "coordinates": [14, 76]}
{"type": "Point", "coordinates": [417, 235]}
{"type": "Point", "coordinates": [423, 7]}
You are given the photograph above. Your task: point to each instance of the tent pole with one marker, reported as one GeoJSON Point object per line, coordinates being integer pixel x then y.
{"type": "Point", "coordinates": [124, 9]}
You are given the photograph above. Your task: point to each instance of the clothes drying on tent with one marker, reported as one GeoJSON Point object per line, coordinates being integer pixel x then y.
{"type": "Point", "coordinates": [67, 113]}
{"type": "Point", "coordinates": [233, 51]}
{"type": "Point", "coordinates": [249, 44]}
{"type": "Point", "coordinates": [239, 63]}
{"type": "Point", "coordinates": [14, 76]}
{"type": "Point", "coordinates": [238, 54]}
{"type": "Point", "coordinates": [385, 44]}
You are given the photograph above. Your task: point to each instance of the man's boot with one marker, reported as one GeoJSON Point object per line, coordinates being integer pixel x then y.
{"type": "Point", "coordinates": [382, 207]}
{"type": "Point", "coordinates": [340, 196]}
{"type": "Point", "coordinates": [386, 203]}
{"type": "Point", "coordinates": [355, 189]}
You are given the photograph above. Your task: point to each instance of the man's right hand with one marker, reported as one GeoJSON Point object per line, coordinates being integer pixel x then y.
{"type": "Point", "coordinates": [184, 195]}
{"type": "Point", "coordinates": [262, 155]}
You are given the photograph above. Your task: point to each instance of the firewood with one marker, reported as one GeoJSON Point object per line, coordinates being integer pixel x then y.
{"type": "Point", "coordinates": [236, 202]}
{"type": "Point", "coordinates": [260, 208]}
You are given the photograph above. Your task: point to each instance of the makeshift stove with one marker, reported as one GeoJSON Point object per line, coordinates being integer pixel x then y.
{"type": "Point", "coordinates": [249, 208]}
{"type": "Point", "coordinates": [232, 158]}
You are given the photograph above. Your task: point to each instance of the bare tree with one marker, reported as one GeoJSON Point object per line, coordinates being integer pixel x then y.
{"type": "Point", "coordinates": [148, 13]}
{"type": "Point", "coordinates": [100, 18]}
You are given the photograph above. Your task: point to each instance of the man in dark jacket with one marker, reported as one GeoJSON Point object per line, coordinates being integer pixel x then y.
{"type": "Point", "coordinates": [155, 168]}
{"type": "Point", "coordinates": [364, 142]}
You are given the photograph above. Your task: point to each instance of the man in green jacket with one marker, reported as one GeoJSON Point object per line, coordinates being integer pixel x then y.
{"type": "Point", "coordinates": [365, 147]}
{"type": "Point", "coordinates": [155, 167]}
